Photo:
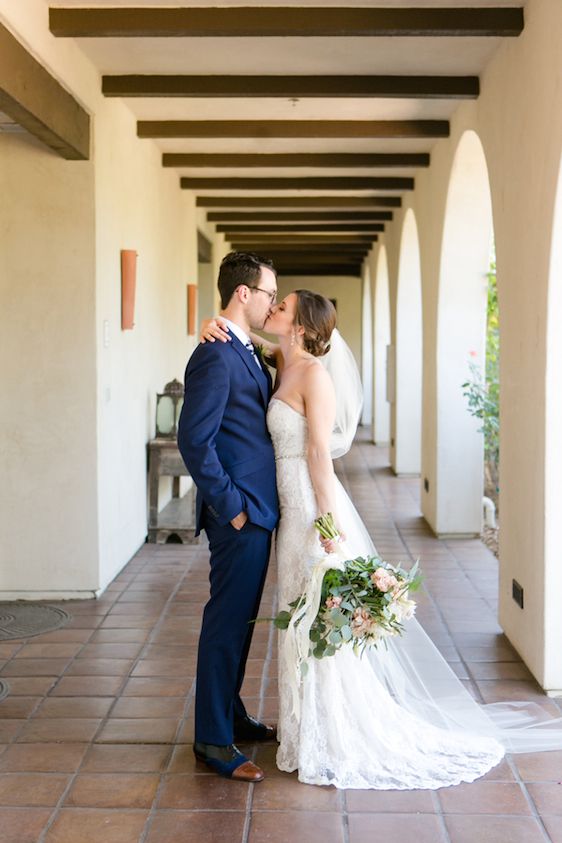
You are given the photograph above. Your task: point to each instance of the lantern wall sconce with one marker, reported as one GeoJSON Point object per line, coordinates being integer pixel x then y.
{"type": "Point", "coordinates": [191, 309]}
{"type": "Point", "coordinates": [128, 286]}
{"type": "Point", "coordinates": [168, 409]}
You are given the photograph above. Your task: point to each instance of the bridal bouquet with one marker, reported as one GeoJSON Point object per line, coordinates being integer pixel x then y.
{"type": "Point", "coordinates": [358, 601]}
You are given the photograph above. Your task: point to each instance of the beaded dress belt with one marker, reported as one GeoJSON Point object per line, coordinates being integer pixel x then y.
{"type": "Point", "coordinates": [290, 457]}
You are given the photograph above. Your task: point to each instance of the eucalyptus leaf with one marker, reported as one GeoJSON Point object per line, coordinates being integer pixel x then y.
{"type": "Point", "coordinates": [338, 618]}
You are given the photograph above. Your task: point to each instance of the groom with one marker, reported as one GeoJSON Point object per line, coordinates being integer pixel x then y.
{"type": "Point", "coordinates": [225, 444]}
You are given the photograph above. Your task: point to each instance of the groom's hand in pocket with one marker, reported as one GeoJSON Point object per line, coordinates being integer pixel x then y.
{"type": "Point", "coordinates": [239, 521]}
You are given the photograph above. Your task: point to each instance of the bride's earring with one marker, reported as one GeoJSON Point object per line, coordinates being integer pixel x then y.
{"type": "Point", "coordinates": [292, 339]}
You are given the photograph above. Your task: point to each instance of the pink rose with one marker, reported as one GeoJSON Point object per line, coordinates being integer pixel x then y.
{"type": "Point", "coordinates": [333, 602]}
{"type": "Point", "coordinates": [383, 579]}
{"type": "Point", "coordinates": [362, 622]}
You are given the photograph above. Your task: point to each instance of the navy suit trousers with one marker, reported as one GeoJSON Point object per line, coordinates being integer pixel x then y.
{"type": "Point", "coordinates": [239, 560]}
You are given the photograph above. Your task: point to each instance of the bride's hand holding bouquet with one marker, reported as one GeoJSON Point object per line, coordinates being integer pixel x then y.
{"type": "Point", "coordinates": [357, 601]}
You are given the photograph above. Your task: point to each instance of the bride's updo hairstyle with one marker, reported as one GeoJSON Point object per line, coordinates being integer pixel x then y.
{"type": "Point", "coordinates": [317, 315]}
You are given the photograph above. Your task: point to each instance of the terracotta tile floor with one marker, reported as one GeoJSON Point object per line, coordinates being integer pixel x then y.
{"type": "Point", "coordinates": [95, 736]}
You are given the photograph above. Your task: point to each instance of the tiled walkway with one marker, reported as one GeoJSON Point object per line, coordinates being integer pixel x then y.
{"type": "Point", "coordinates": [95, 736]}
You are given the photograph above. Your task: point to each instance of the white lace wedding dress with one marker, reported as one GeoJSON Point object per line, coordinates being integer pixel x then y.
{"type": "Point", "coordinates": [396, 718]}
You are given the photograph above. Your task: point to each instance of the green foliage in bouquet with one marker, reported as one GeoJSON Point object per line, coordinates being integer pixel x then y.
{"type": "Point", "coordinates": [360, 605]}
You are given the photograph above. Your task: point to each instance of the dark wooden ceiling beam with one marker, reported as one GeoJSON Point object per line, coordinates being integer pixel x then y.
{"type": "Point", "coordinates": [358, 249]}
{"type": "Point", "coordinates": [307, 183]}
{"type": "Point", "coordinates": [37, 102]}
{"type": "Point", "coordinates": [330, 269]}
{"type": "Point", "coordinates": [283, 22]}
{"type": "Point", "coordinates": [316, 257]}
{"type": "Point", "coordinates": [299, 216]}
{"type": "Point", "coordinates": [293, 128]}
{"type": "Point", "coordinates": [272, 239]}
{"type": "Point", "coordinates": [236, 230]}
{"type": "Point", "coordinates": [419, 87]}
{"type": "Point", "coordinates": [312, 159]}
{"type": "Point", "coordinates": [344, 202]}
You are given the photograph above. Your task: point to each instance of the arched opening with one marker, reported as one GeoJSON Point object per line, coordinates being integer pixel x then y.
{"type": "Point", "coordinates": [367, 348]}
{"type": "Point", "coordinates": [461, 335]}
{"type": "Point", "coordinates": [381, 341]}
{"type": "Point", "coordinates": [553, 457]}
{"type": "Point", "coordinates": [405, 450]}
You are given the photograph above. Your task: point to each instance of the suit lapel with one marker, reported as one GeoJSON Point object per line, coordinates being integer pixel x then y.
{"type": "Point", "coordinates": [258, 374]}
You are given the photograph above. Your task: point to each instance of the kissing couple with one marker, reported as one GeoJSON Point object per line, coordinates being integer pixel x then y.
{"type": "Point", "coordinates": [261, 458]}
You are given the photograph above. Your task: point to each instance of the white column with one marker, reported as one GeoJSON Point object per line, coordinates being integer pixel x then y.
{"type": "Point", "coordinates": [381, 414]}
{"type": "Point", "coordinates": [405, 453]}
{"type": "Point", "coordinates": [461, 333]}
{"type": "Point", "coordinates": [367, 349]}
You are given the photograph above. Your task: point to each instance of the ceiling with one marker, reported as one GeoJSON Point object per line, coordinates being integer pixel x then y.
{"type": "Point", "coordinates": [292, 106]}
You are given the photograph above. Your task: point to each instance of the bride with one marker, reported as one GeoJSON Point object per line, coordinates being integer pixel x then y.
{"type": "Point", "coordinates": [397, 718]}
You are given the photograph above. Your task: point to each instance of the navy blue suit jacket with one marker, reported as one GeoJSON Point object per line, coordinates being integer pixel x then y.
{"type": "Point", "coordinates": [223, 437]}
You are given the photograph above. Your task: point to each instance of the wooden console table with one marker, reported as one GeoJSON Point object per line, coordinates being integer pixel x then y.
{"type": "Point", "coordinates": [178, 516]}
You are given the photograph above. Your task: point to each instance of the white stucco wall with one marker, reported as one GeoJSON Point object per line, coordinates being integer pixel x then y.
{"type": "Point", "coordinates": [48, 502]}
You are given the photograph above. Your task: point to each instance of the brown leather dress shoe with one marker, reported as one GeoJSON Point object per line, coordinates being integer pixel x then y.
{"type": "Point", "coordinates": [248, 772]}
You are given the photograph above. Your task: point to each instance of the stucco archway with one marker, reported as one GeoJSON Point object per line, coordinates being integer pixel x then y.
{"type": "Point", "coordinates": [381, 340]}
{"type": "Point", "coordinates": [461, 333]}
{"type": "Point", "coordinates": [405, 451]}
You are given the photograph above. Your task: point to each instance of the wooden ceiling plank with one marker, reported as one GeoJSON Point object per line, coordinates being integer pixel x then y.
{"type": "Point", "coordinates": [330, 159]}
{"type": "Point", "coordinates": [347, 202]}
{"type": "Point", "coordinates": [359, 249]}
{"type": "Point", "coordinates": [236, 230]}
{"type": "Point", "coordinates": [316, 257]}
{"type": "Point", "coordinates": [284, 22]}
{"type": "Point", "coordinates": [306, 238]}
{"type": "Point", "coordinates": [352, 270]}
{"type": "Point", "coordinates": [293, 128]}
{"type": "Point", "coordinates": [38, 103]}
{"type": "Point", "coordinates": [299, 216]}
{"type": "Point", "coordinates": [306, 183]}
{"type": "Point", "coordinates": [418, 87]}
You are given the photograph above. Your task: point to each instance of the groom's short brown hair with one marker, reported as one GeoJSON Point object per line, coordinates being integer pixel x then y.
{"type": "Point", "coordinates": [240, 268]}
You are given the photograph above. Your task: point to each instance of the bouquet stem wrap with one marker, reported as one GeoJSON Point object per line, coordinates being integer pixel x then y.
{"type": "Point", "coordinates": [296, 644]}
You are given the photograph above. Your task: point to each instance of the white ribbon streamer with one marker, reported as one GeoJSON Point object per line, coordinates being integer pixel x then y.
{"type": "Point", "coordinates": [296, 644]}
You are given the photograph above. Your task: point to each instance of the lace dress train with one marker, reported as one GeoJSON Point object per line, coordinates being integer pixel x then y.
{"type": "Point", "coordinates": [397, 718]}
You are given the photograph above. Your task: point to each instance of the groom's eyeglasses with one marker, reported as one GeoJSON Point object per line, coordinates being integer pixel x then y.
{"type": "Point", "coordinates": [272, 295]}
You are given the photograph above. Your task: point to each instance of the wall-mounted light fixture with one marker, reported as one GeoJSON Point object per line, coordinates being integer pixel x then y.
{"type": "Point", "coordinates": [128, 285]}
{"type": "Point", "coordinates": [191, 309]}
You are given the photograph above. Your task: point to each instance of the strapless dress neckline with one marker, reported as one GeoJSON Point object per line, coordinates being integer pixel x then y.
{"type": "Point", "coordinates": [280, 401]}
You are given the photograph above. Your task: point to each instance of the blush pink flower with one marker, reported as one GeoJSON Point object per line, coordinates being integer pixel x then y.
{"type": "Point", "coordinates": [333, 602]}
{"type": "Point", "coordinates": [362, 622]}
{"type": "Point", "coordinates": [383, 579]}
